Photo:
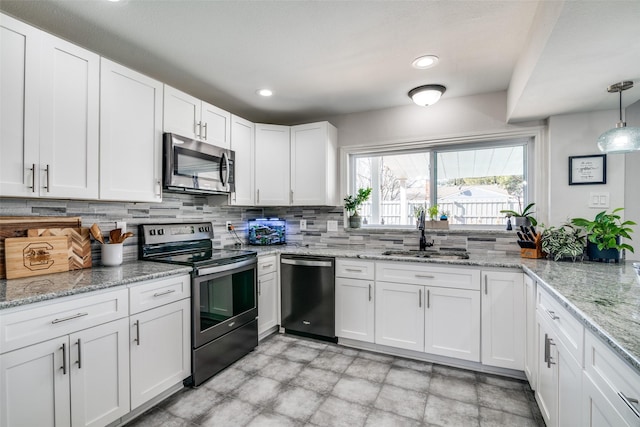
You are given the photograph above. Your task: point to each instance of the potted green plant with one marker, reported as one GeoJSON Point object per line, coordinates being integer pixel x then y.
{"type": "Point", "coordinates": [352, 203]}
{"type": "Point", "coordinates": [444, 215]}
{"type": "Point", "coordinates": [604, 233]}
{"type": "Point", "coordinates": [523, 218]}
{"type": "Point", "coordinates": [433, 212]}
{"type": "Point", "coordinates": [565, 241]}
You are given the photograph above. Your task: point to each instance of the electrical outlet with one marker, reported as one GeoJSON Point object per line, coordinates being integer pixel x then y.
{"type": "Point", "coordinates": [332, 225]}
{"type": "Point", "coordinates": [229, 226]}
{"type": "Point", "coordinates": [122, 225]}
{"type": "Point", "coordinates": [303, 224]}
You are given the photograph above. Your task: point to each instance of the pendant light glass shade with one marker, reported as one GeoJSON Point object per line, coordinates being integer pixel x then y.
{"type": "Point", "coordinates": [621, 139]}
{"type": "Point", "coordinates": [427, 94]}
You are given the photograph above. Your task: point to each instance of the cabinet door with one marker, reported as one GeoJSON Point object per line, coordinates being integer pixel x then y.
{"type": "Point", "coordinates": [160, 343]}
{"type": "Point", "coordinates": [69, 114]}
{"type": "Point", "coordinates": [530, 354]}
{"type": "Point", "coordinates": [99, 371]}
{"type": "Point", "coordinates": [569, 386]}
{"type": "Point", "coordinates": [216, 126]}
{"type": "Point", "coordinates": [272, 165]}
{"type": "Point", "coordinates": [355, 309]}
{"type": "Point", "coordinates": [596, 409]}
{"type": "Point", "coordinates": [267, 302]}
{"type": "Point", "coordinates": [34, 387]}
{"type": "Point", "coordinates": [400, 315]}
{"type": "Point", "coordinates": [19, 92]}
{"type": "Point", "coordinates": [503, 318]}
{"type": "Point", "coordinates": [451, 323]}
{"type": "Point", "coordinates": [314, 164]}
{"type": "Point", "coordinates": [547, 389]}
{"type": "Point", "coordinates": [130, 135]}
{"type": "Point", "coordinates": [242, 143]}
{"type": "Point", "coordinates": [182, 113]}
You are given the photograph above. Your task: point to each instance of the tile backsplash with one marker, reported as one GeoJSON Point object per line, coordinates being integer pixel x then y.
{"type": "Point", "coordinates": [177, 207]}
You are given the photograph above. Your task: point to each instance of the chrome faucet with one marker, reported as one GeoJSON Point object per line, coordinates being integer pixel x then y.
{"type": "Point", "coordinates": [423, 240]}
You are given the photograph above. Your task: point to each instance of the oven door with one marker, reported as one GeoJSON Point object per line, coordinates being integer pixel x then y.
{"type": "Point", "coordinates": [223, 301]}
{"type": "Point", "coordinates": [195, 166]}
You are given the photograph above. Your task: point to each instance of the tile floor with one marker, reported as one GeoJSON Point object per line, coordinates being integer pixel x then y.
{"type": "Point", "coordinates": [291, 381]}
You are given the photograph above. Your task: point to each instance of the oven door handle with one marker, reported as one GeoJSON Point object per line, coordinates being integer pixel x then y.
{"type": "Point", "coordinates": [226, 267]}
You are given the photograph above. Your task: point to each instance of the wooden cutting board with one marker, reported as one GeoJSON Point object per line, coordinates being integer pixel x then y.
{"type": "Point", "coordinates": [33, 256]}
{"type": "Point", "coordinates": [17, 226]}
{"type": "Point", "coordinates": [79, 244]}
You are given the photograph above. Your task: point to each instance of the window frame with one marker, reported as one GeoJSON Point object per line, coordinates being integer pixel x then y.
{"type": "Point", "coordinates": [529, 140]}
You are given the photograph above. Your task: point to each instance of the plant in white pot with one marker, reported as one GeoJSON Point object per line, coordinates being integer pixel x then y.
{"type": "Point", "coordinates": [352, 203]}
{"type": "Point", "coordinates": [523, 218]}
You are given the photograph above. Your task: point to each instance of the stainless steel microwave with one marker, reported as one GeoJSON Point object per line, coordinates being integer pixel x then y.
{"type": "Point", "coordinates": [192, 166]}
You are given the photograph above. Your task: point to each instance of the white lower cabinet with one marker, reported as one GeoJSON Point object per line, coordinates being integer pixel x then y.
{"type": "Point", "coordinates": [503, 319]}
{"type": "Point", "coordinates": [355, 309]}
{"type": "Point", "coordinates": [597, 410]}
{"type": "Point", "coordinates": [530, 354]}
{"type": "Point", "coordinates": [268, 294]}
{"type": "Point", "coordinates": [399, 316]}
{"type": "Point", "coordinates": [79, 379]}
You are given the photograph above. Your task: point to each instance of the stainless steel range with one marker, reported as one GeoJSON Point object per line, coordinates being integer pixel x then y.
{"type": "Point", "coordinates": [223, 293]}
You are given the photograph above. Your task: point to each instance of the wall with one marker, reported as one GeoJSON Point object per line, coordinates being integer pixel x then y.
{"type": "Point", "coordinates": [632, 179]}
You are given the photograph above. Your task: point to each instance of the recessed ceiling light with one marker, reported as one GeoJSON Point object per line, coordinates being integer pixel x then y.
{"type": "Point", "coordinates": [264, 92]}
{"type": "Point", "coordinates": [426, 61]}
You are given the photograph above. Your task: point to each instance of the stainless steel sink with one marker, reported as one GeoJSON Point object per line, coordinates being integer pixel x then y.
{"type": "Point", "coordinates": [429, 254]}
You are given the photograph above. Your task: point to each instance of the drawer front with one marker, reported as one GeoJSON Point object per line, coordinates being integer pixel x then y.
{"type": "Point", "coordinates": [411, 273]}
{"type": "Point", "coordinates": [355, 269]}
{"type": "Point", "coordinates": [618, 381]}
{"type": "Point", "coordinates": [567, 328]}
{"type": "Point", "coordinates": [48, 320]}
{"type": "Point", "coordinates": [154, 293]}
{"type": "Point", "coordinates": [267, 264]}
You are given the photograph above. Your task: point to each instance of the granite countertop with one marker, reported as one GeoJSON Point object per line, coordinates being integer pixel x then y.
{"type": "Point", "coordinates": [17, 292]}
{"type": "Point", "coordinates": [604, 297]}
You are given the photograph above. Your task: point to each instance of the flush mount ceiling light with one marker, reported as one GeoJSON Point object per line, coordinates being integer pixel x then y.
{"type": "Point", "coordinates": [425, 61]}
{"type": "Point", "coordinates": [621, 139]}
{"type": "Point", "coordinates": [426, 95]}
{"type": "Point", "coordinates": [264, 92]}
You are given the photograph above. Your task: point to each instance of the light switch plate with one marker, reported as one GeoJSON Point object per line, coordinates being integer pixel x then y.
{"type": "Point", "coordinates": [122, 225]}
{"type": "Point", "coordinates": [332, 225]}
{"type": "Point", "coordinates": [599, 200]}
{"type": "Point", "coordinates": [303, 224]}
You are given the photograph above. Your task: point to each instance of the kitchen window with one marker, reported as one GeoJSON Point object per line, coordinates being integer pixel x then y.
{"type": "Point", "coordinates": [471, 183]}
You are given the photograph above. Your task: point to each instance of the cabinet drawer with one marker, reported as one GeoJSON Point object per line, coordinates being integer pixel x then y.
{"type": "Point", "coordinates": [47, 320]}
{"type": "Point", "coordinates": [566, 327]}
{"type": "Point", "coordinates": [146, 295]}
{"type": "Point", "coordinates": [619, 383]}
{"type": "Point", "coordinates": [267, 264]}
{"type": "Point", "coordinates": [355, 269]}
{"type": "Point", "coordinates": [411, 273]}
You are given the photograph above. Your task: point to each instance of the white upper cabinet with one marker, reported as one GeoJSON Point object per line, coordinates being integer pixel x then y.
{"type": "Point", "coordinates": [272, 165]}
{"type": "Point", "coordinates": [49, 117]}
{"type": "Point", "coordinates": [242, 143]}
{"type": "Point", "coordinates": [314, 164]}
{"type": "Point", "coordinates": [130, 135]}
{"type": "Point", "coordinates": [188, 116]}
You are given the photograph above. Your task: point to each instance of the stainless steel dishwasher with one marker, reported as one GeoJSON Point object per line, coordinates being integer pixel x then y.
{"type": "Point", "coordinates": [308, 295]}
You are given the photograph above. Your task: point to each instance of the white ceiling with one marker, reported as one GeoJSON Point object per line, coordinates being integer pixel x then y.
{"type": "Point", "coordinates": [323, 58]}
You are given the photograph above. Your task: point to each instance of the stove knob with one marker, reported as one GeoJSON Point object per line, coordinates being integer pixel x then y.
{"type": "Point", "coordinates": [201, 229]}
{"type": "Point", "coordinates": [160, 232]}
{"type": "Point", "coordinates": [152, 232]}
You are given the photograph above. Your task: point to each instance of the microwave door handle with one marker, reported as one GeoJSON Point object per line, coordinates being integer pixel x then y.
{"type": "Point", "coordinates": [225, 179]}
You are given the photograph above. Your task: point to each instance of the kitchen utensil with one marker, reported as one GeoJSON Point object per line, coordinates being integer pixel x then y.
{"type": "Point", "coordinates": [17, 226]}
{"type": "Point", "coordinates": [114, 236]}
{"type": "Point", "coordinates": [533, 230]}
{"type": "Point", "coordinates": [33, 256]}
{"type": "Point", "coordinates": [97, 233]}
{"type": "Point", "coordinates": [125, 236]}
{"type": "Point", "coordinates": [79, 244]}
{"type": "Point", "coordinates": [520, 235]}
{"type": "Point", "coordinates": [530, 236]}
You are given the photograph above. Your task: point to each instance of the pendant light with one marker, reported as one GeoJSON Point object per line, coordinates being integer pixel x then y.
{"type": "Point", "coordinates": [426, 95]}
{"type": "Point", "coordinates": [621, 139]}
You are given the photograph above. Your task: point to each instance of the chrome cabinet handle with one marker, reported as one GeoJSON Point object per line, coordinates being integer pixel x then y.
{"type": "Point", "coordinates": [631, 403]}
{"type": "Point", "coordinates": [137, 340]}
{"type": "Point", "coordinates": [159, 185]}
{"type": "Point", "coordinates": [425, 276]}
{"type": "Point", "coordinates": [355, 270]}
{"type": "Point", "coordinates": [168, 291]}
{"type": "Point", "coordinates": [291, 196]}
{"type": "Point", "coordinates": [369, 291]}
{"type": "Point", "coordinates": [548, 342]}
{"type": "Point", "coordinates": [64, 359]}
{"type": "Point", "coordinates": [419, 297]}
{"type": "Point", "coordinates": [197, 129]}
{"type": "Point", "coordinates": [33, 177]}
{"type": "Point", "coordinates": [428, 299]}
{"type": "Point", "coordinates": [486, 290]}
{"type": "Point", "coordinates": [267, 265]}
{"type": "Point", "coordinates": [259, 287]}
{"type": "Point", "coordinates": [79, 362]}
{"type": "Point", "coordinates": [258, 196]}
{"type": "Point", "coordinates": [64, 319]}
{"type": "Point", "coordinates": [552, 315]}
{"type": "Point", "coordinates": [46, 170]}
{"type": "Point", "coordinates": [205, 132]}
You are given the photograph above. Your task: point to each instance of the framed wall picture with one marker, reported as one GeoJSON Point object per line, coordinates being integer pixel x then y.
{"type": "Point", "coordinates": [588, 169]}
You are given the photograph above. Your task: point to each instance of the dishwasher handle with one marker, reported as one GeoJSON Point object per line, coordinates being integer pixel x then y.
{"type": "Point", "coordinates": [306, 262]}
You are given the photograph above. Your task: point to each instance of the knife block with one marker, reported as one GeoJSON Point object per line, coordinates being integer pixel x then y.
{"type": "Point", "coordinates": [531, 252]}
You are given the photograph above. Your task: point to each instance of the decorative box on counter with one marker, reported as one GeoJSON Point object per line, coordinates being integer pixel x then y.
{"type": "Point", "coordinates": [267, 231]}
